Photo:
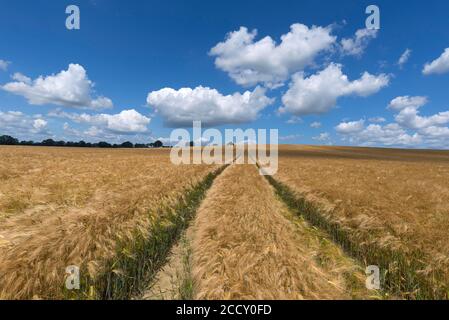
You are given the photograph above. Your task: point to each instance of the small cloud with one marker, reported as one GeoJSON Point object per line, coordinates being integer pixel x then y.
{"type": "Point", "coordinates": [289, 137]}
{"type": "Point", "coordinates": [315, 125]}
{"type": "Point", "coordinates": [350, 127]}
{"type": "Point", "coordinates": [377, 120]}
{"type": "Point", "coordinates": [21, 78]}
{"type": "Point", "coordinates": [403, 102]}
{"type": "Point", "coordinates": [439, 65]}
{"type": "Point", "coordinates": [322, 137]}
{"type": "Point", "coordinates": [294, 120]}
{"type": "Point", "coordinates": [404, 57]}
{"type": "Point", "coordinates": [4, 65]}
{"type": "Point", "coordinates": [356, 46]}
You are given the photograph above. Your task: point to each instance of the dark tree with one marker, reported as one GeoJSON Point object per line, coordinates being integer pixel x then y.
{"type": "Point", "coordinates": [127, 144]}
{"type": "Point", "coordinates": [48, 143]}
{"type": "Point", "coordinates": [158, 144]}
{"type": "Point", "coordinates": [60, 143]}
{"type": "Point", "coordinates": [71, 144]}
{"type": "Point", "coordinates": [103, 144]}
{"type": "Point", "coordinates": [8, 140]}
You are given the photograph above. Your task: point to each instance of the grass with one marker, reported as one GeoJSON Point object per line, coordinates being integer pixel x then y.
{"type": "Point", "coordinates": [174, 280]}
{"type": "Point", "coordinates": [187, 285]}
{"type": "Point", "coordinates": [332, 258]}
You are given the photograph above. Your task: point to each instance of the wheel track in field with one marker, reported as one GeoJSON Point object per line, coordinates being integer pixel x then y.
{"type": "Point", "coordinates": [244, 243]}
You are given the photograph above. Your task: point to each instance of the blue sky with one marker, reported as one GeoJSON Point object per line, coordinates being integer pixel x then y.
{"type": "Point", "coordinates": [123, 71]}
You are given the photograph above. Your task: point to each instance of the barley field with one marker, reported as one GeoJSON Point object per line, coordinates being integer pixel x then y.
{"type": "Point", "coordinates": [62, 207]}
{"type": "Point", "coordinates": [387, 207]}
{"type": "Point", "coordinates": [140, 227]}
{"type": "Point", "coordinates": [246, 246]}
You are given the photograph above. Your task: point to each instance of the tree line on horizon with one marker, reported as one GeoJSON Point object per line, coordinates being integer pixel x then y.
{"type": "Point", "coordinates": [11, 141]}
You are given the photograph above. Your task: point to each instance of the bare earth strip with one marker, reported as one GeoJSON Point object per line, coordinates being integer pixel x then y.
{"type": "Point", "coordinates": [247, 245]}
{"type": "Point", "coordinates": [173, 281]}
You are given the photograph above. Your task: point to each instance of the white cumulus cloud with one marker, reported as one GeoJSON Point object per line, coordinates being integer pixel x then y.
{"type": "Point", "coordinates": [127, 122]}
{"type": "Point", "coordinates": [356, 46]}
{"type": "Point", "coordinates": [39, 124]}
{"type": "Point", "coordinates": [403, 102]}
{"type": "Point", "coordinates": [18, 123]}
{"type": "Point", "coordinates": [249, 62]}
{"type": "Point", "coordinates": [439, 65]}
{"type": "Point", "coordinates": [410, 118]}
{"type": "Point", "coordinates": [318, 93]}
{"type": "Point", "coordinates": [181, 107]}
{"type": "Point", "coordinates": [375, 134]}
{"type": "Point", "coordinates": [70, 88]}
{"type": "Point", "coordinates": [410, 129]}
{"type": "Point", "coordinates": [350, 127]}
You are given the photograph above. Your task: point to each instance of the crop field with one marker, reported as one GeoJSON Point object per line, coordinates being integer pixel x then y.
{"type": "Point", "coordinates": [140, 227]}
{"type": "Point", "coordinates": [62, 207]}
{"type": "Point", "coordinates": [386, 207]}
{"type": "Point", "coordinates": [247, 245]}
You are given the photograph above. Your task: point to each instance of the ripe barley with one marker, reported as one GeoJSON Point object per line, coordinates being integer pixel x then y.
{"type": "Point", "coordinates": [245, 247]}
{"type": "Point", "coordinates": [386, 207]}
{"type": "Point", "coordinates": [81, 203]}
